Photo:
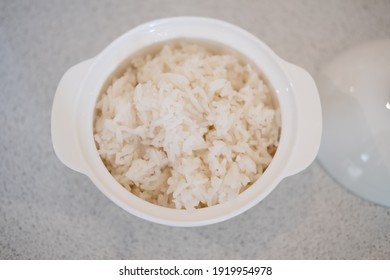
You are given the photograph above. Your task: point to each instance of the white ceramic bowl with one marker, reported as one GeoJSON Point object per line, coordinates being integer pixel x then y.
{"type": "Point", "coordinates": [78, 90]}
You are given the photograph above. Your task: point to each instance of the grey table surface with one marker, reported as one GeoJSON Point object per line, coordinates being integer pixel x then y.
{"type": "Point", "coordinates": [48, 211]}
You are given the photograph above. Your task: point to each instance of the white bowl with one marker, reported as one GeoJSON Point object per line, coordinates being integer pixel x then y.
{"type": "Point", "coordinates": [78, 90]}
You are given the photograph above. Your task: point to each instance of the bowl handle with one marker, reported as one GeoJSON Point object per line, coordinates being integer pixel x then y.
{"type": "Point", "coordinates": [309, 130]}
{"type": "Point", "coordinates": [63, 117]}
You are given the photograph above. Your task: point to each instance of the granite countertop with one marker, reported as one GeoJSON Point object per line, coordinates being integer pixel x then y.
{"type": "Point", "coordinates": [48, 211]}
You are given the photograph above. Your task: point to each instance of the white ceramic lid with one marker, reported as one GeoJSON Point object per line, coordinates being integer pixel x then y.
{"type": "Point", "coordinates": [355, 96]}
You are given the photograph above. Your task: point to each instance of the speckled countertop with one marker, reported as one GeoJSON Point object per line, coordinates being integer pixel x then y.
{"type": "Point", "coordinates": [48, 211]}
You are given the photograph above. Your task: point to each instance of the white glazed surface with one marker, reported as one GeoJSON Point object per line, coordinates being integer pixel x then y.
{"type": "Point", "coordinates": [355, 94]}
{"type": "Point", "coordinates": [296, 92]}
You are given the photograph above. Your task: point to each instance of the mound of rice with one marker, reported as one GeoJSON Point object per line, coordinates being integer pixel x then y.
{"type": "Point", "coordinates": [186, 127]}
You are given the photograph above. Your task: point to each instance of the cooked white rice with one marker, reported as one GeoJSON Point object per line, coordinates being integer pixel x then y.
{"type": "Point", "coordinates": [186, 127]}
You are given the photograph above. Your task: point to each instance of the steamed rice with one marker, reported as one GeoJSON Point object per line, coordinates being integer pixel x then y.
{"type": "Point", "coordinates": [187, 127]}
